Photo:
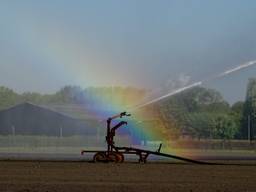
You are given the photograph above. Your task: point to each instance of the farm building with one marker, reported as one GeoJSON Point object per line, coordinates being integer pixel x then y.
{"type": "Point", "coordinates": [30, 119]}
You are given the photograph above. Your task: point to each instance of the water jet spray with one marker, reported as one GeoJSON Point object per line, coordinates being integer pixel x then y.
{"type": "Point", "coordinates": [225, 73]}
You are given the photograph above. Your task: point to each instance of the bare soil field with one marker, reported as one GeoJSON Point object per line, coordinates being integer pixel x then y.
{"type": "Point", "coordinates": [36, 176]}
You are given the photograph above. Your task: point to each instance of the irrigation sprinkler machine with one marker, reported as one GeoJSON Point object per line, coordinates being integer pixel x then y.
{"type": "Point", "coordinates": [116, 154]}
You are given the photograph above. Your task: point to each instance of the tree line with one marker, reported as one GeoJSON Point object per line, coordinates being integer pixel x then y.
{"type": "Point", "coordinates": [198, 112]}
{"type": "Point", "coordinates": [203, 113]}
{"type": "Point", "coordinates": [89, 97]}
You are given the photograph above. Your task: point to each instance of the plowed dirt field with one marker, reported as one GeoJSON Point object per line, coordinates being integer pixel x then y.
{"type": "Point", "coordinates": [35, 176]}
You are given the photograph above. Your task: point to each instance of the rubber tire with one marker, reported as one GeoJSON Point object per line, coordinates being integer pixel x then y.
{"type": "Point", "coordinates": [116, 157]}
{"type": "Point", "coordinates": [100, 157]}
{"type": "Point", "coordinates": [113, 157]}
{"type": "Point", "coordinates": [120, 157]}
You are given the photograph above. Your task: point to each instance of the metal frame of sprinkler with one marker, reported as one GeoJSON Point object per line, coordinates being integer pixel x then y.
{"type": "Point", "coordinates": [116, 154]}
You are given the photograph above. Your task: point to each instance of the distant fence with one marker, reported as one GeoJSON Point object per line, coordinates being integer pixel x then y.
{"type": "Point", "coordinates": [27, 143]}
{"type": "Point", "coordinates": [33, 142]}
{"type": "Point", "coordinates": [213, 144]}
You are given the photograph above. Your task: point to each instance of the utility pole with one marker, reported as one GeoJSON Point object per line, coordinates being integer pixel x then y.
{"type": "Point", "coordinates": [98, 135]}
{"type": "Point", "coordinates": [13, 130]}
{"type": "Point", "coordinates": [61, 131]}
{"type": "Point", "coordinates": [249, 128]}
{"type": "Point", "coordinates": [13, 135]}
{"type": "Point", "coordinates": [253, 125]}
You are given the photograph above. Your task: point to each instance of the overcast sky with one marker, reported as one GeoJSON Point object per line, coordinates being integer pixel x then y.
{"type": "Point", "coordinates": [47, 44]}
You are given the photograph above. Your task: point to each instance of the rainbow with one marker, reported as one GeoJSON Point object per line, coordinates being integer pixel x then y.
{"type": "Point", "coordinates": [143, 128]}
{"type": "Point", "coordinates": [56, 50]}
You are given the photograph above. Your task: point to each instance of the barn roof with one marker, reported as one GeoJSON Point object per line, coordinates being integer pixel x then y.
{"type": "Point", "coordinates": [31, 119]}
{"type": "Point", "coordinates": [71, 110]}
{"type": "Point", "coordinates": [28, 104]}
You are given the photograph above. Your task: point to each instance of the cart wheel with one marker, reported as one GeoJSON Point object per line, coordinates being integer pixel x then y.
{"type": "Point", "coordinates": [116, 157]}
{"type": "Point", "coordinates": [100, 157]}
{"type": "Point", "coordinates": [120, 157]}
{"type": "Point", "coordinates": [113, 157]}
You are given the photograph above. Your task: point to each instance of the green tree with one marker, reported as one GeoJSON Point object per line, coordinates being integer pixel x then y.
{"type": "Point", "coordinates": [225, 127]}
{"type": "Point", "coordinates": [201, 99]}
{"type": "Point", "coordinates": [237, 116]}
{"type": "Point", "coordinates": [249, 115]}
{"type": "Point", "coordinates": [68, 95]}
{"type": "Point", "coordinates": [7, 97]}
{"type": "Point", "coordinates": [200, 125]}
{"type": "Point", "coordinates": [194, 109]}
{"type": "Point", "coordinates": [31, 97]}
